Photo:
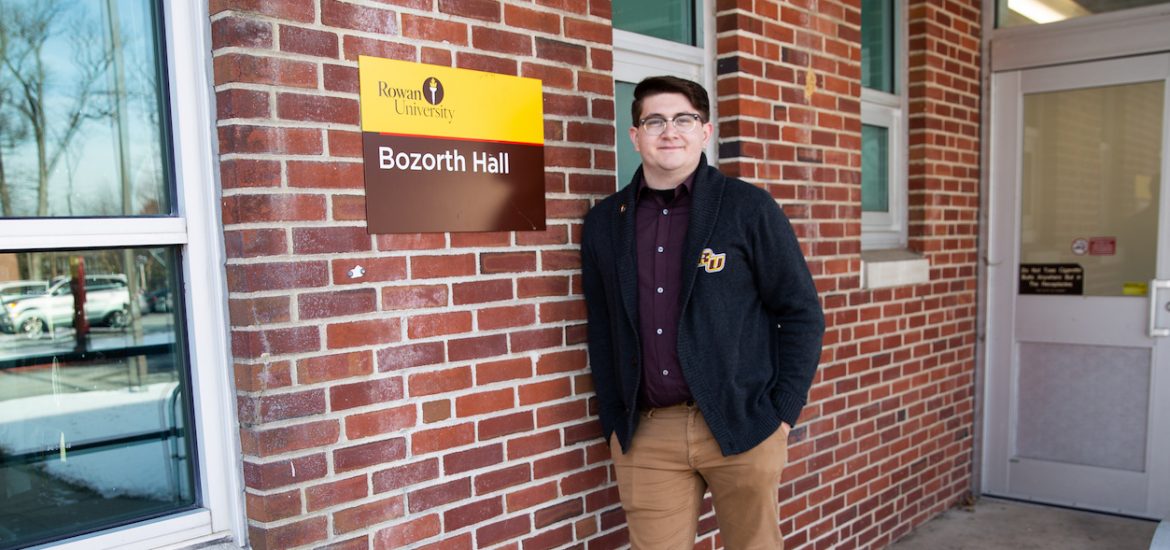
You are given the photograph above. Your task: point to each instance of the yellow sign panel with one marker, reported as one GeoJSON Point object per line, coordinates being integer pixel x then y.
{"type": "Point", "coordinates": [413, 99]}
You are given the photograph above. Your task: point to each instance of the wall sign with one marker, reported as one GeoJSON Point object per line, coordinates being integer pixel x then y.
{"type": "Point", "coordinates": [449, 149]}
{"type": "Point", "coordinates": [1066, 279]}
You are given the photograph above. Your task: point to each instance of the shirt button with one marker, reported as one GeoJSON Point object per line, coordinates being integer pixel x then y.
{"type": "Point", "coordinates": [659, 331]}
{"type": "Point", "coordinates": [664, 211]}
{"type": "Point", "coordinates": [660, 249]}
{"type": "Point", "coordinates": [660, 290]}
{"type": "Point", "coordinates": [665, 372]}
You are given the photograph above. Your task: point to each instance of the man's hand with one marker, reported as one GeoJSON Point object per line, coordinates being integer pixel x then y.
{"type": "Point", "coordinates": [784, 426]}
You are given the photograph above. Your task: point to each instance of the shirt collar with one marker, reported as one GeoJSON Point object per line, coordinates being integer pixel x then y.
{"type": "Point", "coordinates": [687, 185]}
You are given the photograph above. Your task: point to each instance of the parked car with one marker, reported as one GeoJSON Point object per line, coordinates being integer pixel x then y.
{"type": "Point", "coordinates": [159, 301]}
{"type": "Point", "coordinates": [107, 303]}
{"type": "Point", "coordinates": [19, 289]}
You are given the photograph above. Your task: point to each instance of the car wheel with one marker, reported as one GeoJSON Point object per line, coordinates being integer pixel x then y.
{"type": "Point", "coordinates": [118, 319]}
{"type": "Point", "coordinates": [33, 328]}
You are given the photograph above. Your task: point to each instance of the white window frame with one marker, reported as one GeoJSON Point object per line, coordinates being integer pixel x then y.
{"type": "Point", "coordinates": [887, 230]}
{"type": "Point", "coordinates": [197, 229]}
{"type": "Point", "coordinates": [638, 56]}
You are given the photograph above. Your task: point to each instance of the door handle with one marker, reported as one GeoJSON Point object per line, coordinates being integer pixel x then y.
{"type": "Point", "coordinates": [1155, 299]}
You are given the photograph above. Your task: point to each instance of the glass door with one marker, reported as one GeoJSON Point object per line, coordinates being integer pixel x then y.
{"type": "Point", "coordinates": [1078, 376]}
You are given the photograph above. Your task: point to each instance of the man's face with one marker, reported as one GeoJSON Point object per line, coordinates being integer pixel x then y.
{"type": "Point", "coordinates": [670, 151]}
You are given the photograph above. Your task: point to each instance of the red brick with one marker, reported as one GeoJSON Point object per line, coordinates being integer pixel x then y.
{"type": "Point", "coordinates": [481, 240]}
{"type": "Point", "coordinates": [439, 439]}
{"type": "Point", "coordinates": [507, 262]}
{"type": "Point", "coordinates": [273, 208]}
{"type": "Point", "coordinates": [312, 370]}
{"type": "Point", "coordinates": [532, 496]}
{"type": "Point", "coordinates": [505, 425]}
{"type": "Point", "coordinates": [584, 481]}
{"type": "Point", "coordinates": [414, 297]}
{"type": "Point", "coordinates": [404, 476]}
{"type": "Point", "coordinates": [484, 403]}
{"type": "Point", "coordinates": [300, 40]}
{"type": "Point", "coordinates": [563, 52]}
{"type": "Point", "coordinates": [588, 30]}
{"type": "Point", "coordinates": [572, 310]}
{"type": "Point", "coordinates": [495, 40]}
{"type": "Point", "coordinates": [536, 339]}
{"type": "Point", "coordinates": [552, 234]}
{"type": "Point", "coordinates": [292, 438]}
{"type": "Point", "coordinates": [435, 56]}
{"type": "Point", "coordinates": [550, 538]}
{"type": "Point", "coordinates": [565, 361]}
{"type": "Point", "coordinates": [558, 464]}
{"type": "Point", "coordinates": [294, 10]}
{"type": "Point", "coordinates": [268, 508]}
{"type": "Point", "coordinates": [353, 46]}
{"type": "Point", "coordinates": [366, 392]}
{"type": "Point", "coordinates": [325, 175]}
{"type": "Point", "coordinates": [431, 267]}
{"type": "Point", "coordinates": [251, 69]}
{"type": "Point", "coordinates": [592, 184]}
{"type": "Point", "coordinates": [601, 134]}
{"type": "Point", "coordinates": [599, 83]}
{"type": "Point", "coordinates": [502, 531]}
{"type": "Point", "coordinates": [240, 32]}
{"type": "Point", "coordinates": [360, 542]}
{"type": "Point", "coordinates": [438, 324]}
{"type": "Point", "coordinates": [283, 406]}
{"type": "Point", "coordinates": [359, 18]}
{"type": "Point", "coordinates": [252, 243]}
{"type": "Point", "coordinates": [341, 142]}
{"type": "Point", "coordinates": [567, 157]}
{"type": "Point", "coordinates": [499, 371]}
{"type": "Point", "coordinates": [363, 333]}
{"type": "Point", "coordinates": [558, 512]}
{"type": "Point", "coordinates": [487, 63]}
{"type": "Point", "coordinates": [524, 18]}
{"type": "Point", "coordinates": [461, 542]}
{"type": "Point", "coordinates": [358, 426]}
{"type": "Point", "coordinates": [435, 30]}
{"type": "Point", "coordinates": [272, 475]}
{"type": "Point", "coordinates": [333, 493]}
{"type": "Point", "coordinates": [561, 413]}
{"type": "Point", "coordinates": [477, 347]}
{"type": "Point", "coordinates": [411, 241]}
{"type": "Point", "coordinates": [502, 479]}
{"type": "Point", "coordinates": [485, 10]}
{"type": "Point", "coordinates": [269, 375]}
{"type": "Point", "coordinates": [478, 292]}
{"type": "Point", "coordinates": [263, 139]}
{"type": "Point", "coordinates": [253, 344]}
{"type": "Point", "coordinates": [336, 303]}
{"type": "Point", "coordinates": [301, 533]}
{"type": "Point", "coordinates": [442, 381]}
{"type": "Point", "coordinates": [438, 495]}
{"type": "Point", "coordinates": [348, 207]}
{"type": "Point", "coordinates": [533, 444]}
{"type": "Point", "coordinates": [368, 454]}
{"type": "Point", "coordinates": [473, 459]}
{"type": "Point", "coordinates": [248, 173]}
{"type": "Point", "coordinates": [373, 270]}
{"type": "Point", "coordinates": [413, 355]}
{"type": "Point", "coordinates": [373, 513]}
{"type": "Point", "coordinates": [316, 108]}
{"type": "Point", "coordinates": [547, 390]}
{"type": "Point", "coordinates": [473, 513]}
{"type": "Point", "coordinates": [531, 287]}
{"type": "Point", "coordinates": [255, 311]}
{"type": "Point", "coordinates": [505, 317]}
{"type": "Point", "coordinates": [407, 533]}
{"type": "Point", "coordinates": [237, 103]}
{"type": "Point", "coordinates": [564, 105]}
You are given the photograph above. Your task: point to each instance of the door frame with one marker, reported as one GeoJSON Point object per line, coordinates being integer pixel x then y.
{"type": "Point", "coordinates": [1002, 183]}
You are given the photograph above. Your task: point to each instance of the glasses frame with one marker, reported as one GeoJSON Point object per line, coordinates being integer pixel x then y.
{"type": "Point", "coordinates": [673, 121]}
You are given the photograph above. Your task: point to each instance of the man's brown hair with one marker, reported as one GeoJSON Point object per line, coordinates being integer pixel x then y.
{"type": "Point", "coordinates": [654, 85]}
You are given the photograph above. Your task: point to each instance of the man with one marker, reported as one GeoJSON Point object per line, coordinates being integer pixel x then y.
{"type": "Point", "coordinates": [704, 332]}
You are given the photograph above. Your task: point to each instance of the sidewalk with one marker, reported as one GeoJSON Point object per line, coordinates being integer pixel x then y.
{"type": "Point", "coordinates": [995, 524]}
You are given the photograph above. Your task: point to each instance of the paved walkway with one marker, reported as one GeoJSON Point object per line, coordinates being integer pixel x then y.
{"type": "Point", "coordinates": [995, 524]}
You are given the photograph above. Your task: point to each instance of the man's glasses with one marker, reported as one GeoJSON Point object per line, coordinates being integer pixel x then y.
{"type": "Point", "coordinates": [684, 123]}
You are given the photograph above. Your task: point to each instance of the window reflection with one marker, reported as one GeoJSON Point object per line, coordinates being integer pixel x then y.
{"type": "Point", "coordinates": [93, 416]}
{"type": "Point", "coordinates": [81, 128]}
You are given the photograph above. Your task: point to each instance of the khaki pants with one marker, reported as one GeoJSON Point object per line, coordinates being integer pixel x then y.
{"type": "Point", "coordinates": [672, 462]}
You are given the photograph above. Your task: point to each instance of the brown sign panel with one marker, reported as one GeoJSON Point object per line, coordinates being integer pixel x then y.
{"type": "Point", "coordinates": [1064, 279]}
{"type": "Point", "coordinates": [448, 149]}
{"type": "Point", "coordinates": [421, 185]}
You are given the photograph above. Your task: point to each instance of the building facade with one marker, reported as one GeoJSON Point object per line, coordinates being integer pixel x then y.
{"type": "Point", "coordinates": [272, 375]}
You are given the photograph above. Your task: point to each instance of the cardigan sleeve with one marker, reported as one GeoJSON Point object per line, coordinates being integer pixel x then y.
{"type": "Point", "coordinates": [600, 336]}
{"type": "Point", "coordinates": [788, 293]}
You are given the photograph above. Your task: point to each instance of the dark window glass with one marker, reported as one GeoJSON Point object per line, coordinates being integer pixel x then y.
{"type": "Point", "coordinates": [877, 45]}
{"type": "Point", "coordinates": [672, 20]}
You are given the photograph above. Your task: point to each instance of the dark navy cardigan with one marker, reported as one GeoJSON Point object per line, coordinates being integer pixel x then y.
{"type": "Point", "coordinates": [749, 335]}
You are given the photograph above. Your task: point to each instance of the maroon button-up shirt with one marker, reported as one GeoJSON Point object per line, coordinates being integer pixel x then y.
{"type": "Point", "coordinates": [661, 219]}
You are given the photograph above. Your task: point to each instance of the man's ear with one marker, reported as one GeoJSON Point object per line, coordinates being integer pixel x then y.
{"type": "Point", "coordinates": [634, 138]}
{"type": "Point", "coordinates": [708, 131]}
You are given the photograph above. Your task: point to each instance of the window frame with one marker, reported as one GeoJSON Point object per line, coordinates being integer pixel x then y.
{"type": "Point", "coordinates": [637, 56]}
{"type": "Point", "coordinates": [888, 230]}
{"type": "Point", "coordinates": [196, 230]}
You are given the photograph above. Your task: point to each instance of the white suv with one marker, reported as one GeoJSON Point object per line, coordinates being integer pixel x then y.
{"type": "Point", "coordinates": [107, 302]}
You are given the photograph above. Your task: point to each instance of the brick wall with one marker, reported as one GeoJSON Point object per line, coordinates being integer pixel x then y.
{"type": "Point", "coordinates": [442, 400]}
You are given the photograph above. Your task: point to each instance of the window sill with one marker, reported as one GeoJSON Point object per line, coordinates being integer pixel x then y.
{"type": "Point", "coordinates": [894, 267]}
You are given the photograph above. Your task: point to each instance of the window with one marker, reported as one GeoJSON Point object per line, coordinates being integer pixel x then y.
{"type": "Point", "coordinates": [114, 401]}
{"type": "Point", "coordinates": [883, 136]}
{"type": "Point", "coordinates": [1012, 13]}
{"type": "Point", "coordinates": [652, 38]}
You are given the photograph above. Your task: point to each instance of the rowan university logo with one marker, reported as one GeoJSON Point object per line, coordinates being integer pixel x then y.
{"type": "Point", "coordinates": [712, 262]}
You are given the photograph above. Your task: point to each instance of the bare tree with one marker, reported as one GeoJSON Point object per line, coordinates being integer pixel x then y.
{"type": "Point", "coordinates": [29, 26]}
